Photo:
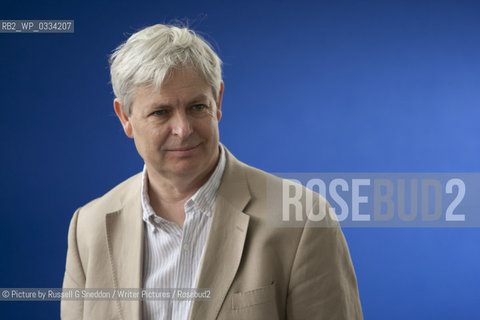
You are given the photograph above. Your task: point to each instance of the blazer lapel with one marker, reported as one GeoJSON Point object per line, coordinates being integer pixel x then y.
{"type": "Point", "coordinates": [225, 242]}
{"type": "Point", "coordinates": [125, 232]}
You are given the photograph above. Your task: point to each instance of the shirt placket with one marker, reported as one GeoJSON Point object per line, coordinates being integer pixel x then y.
{"type": "Point", "coordinates": [185, 264]}
{"type": "Point", "coordinates": [177, 235]}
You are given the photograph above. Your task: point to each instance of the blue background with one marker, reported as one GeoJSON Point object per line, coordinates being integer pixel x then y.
{"type": "Point", "coordinates": [324, 86]}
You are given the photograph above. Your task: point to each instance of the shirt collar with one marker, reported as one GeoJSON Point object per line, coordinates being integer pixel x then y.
{"type": "Point", "coordinates": [203, 199]}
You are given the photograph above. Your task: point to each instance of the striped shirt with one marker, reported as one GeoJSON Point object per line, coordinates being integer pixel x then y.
{"type": "Point", "coordinates": [172, 255]}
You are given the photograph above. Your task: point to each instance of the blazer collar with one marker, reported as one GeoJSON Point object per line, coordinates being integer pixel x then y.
{"type": "Point", "coordinates": [125, 232]}
{"type": "Point", "coordinates": [225, 242]}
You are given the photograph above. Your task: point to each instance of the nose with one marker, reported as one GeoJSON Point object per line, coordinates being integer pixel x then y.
{"type": "Point", "coordinates": [181, 125]}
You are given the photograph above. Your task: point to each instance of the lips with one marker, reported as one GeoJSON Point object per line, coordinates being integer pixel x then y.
{"type": "Point", "coordinates": [183, 148]}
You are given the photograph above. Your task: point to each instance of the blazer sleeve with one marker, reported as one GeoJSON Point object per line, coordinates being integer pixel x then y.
{"type": "Point", "coordinates": [74, 275]}
{"type": "Point", "coordinates": [323, 284]}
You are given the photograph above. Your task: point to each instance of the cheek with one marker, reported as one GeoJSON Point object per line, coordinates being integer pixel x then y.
{"type": "Point", "coordinates": [208, 128]}
{"type": "Point", "coordinates": [150, 138]}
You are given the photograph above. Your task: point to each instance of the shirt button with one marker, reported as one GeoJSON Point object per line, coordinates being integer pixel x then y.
{"type": "Point", "coordinates": [186, 247]}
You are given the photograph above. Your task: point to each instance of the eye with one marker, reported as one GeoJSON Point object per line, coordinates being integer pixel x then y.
{"type": "Point", "coordinates": [199, 107]}
{"type": "Point", "coordinates": [161, 112]}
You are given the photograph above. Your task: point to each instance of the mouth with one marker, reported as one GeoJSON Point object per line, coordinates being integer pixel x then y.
{"type": "Point", "coordinates": [184, 149]}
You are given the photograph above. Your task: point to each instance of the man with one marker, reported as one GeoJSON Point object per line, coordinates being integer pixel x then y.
{"type": "Point", "coordinates": [196, 217]}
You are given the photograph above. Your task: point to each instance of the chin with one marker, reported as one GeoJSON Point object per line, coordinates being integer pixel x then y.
{"type": "Point", "coordinates": [187, 169]}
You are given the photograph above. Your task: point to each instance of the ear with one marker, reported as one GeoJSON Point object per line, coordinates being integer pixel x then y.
{"type": "Point", "coordinates": [219, 102]}
{"type": "Point", "coordinates": [124, 119]}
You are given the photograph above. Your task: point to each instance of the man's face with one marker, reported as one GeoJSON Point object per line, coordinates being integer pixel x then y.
{"type": "Point", "coordinates": [175, 129]}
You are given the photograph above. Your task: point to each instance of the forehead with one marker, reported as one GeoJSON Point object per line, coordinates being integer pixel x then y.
{"type": "Point", "coordinates": [179, 87]}
{"type": "Point", "coordinates": [178, 79]}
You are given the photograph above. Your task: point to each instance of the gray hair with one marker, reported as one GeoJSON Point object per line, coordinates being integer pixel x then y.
{"type": "Point", "coordinates": [149, 55]}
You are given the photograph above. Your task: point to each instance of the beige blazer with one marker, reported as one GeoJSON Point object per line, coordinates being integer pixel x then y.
{"type": "Point", "coordinates": [254, 269]}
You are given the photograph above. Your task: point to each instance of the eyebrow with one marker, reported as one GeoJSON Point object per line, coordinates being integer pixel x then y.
{"type": "Point", "coordinates": [199, 98]}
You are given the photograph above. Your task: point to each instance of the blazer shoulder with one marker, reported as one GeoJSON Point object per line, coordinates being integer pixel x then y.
{"type": "Point", "coordinates": [273, 193]}
{"type": "Point", "coordinates": [259, 181]}
{"type": "Point", "coordinates": [114, 199]}
{"type": "Point", "coordinates": [257, 177]}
